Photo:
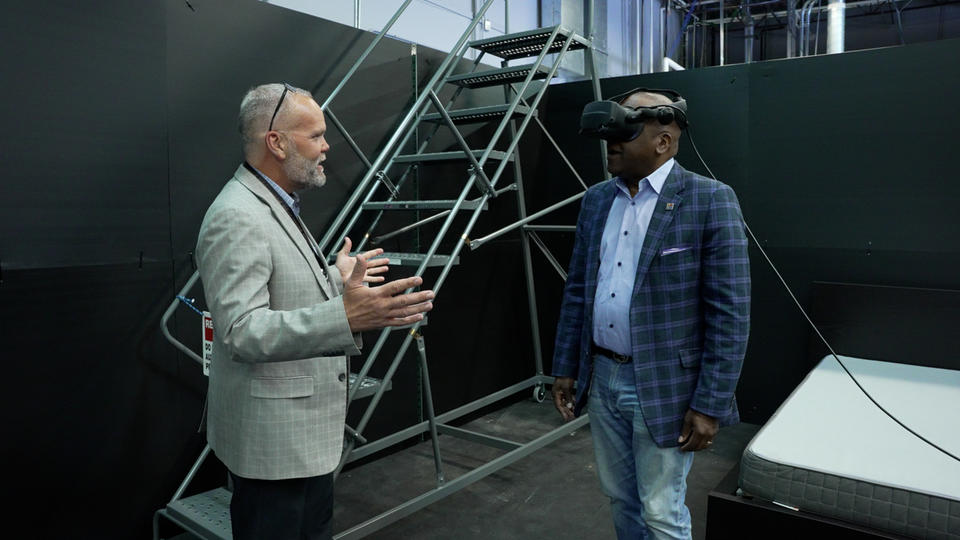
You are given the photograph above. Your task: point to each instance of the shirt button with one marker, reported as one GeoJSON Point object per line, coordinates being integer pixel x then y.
{"type": "Point", "coordinates": [619, 264]}
{"type": "Point", "coordinates": [342, 377]}
{"type": "Point", "coordinates": [611, 326]}
{"type": "Point", "coordinates": [624, 233]}
{"type": "Point", "coordinates": [613, 295]}
{"type": "Point", "coordinates": [633, 204]}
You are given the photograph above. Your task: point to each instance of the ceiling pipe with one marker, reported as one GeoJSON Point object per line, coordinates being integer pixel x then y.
{"type": "Point", "coordinates": [756, 16]}
{"type": "Point", "coordinates": [791, 28]}
{"type": "Point", "coordinates": [805, 13]}
{"type": "Point", "coordinates": [722, 35]}
{"type": "Point", "coordinates": [835, 26]}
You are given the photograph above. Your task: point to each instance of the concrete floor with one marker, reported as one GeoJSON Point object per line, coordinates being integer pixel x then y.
{"type": "Point", "coordinates": [553, 493]}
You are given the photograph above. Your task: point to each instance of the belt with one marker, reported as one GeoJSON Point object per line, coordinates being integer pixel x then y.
{"type": "Point", "coordinates": [616, 357]}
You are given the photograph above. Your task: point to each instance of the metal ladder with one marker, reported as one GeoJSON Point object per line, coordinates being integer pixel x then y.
{"type": "Point", "coordinates": [207, 514]}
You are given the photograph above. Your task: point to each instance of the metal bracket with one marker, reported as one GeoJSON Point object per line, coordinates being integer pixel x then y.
{"type": "Point", "coordinates": [383, 179]}
{"type": "Point", "coordinates": [352, 433]}
{"type": "Point", "coordinates": [485, 186]}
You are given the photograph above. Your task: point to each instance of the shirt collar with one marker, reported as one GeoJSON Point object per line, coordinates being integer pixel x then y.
{"type": "Point", "coordinates": [656, 179]}
{"type": "Point", "coordinates": [292, 200]}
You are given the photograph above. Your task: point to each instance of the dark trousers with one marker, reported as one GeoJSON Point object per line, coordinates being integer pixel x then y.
{"type": "Point", "coordinates": [294, 509]}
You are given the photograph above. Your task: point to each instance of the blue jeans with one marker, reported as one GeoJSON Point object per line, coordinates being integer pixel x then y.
{"type": "Point", "coordinates": [646, 484]}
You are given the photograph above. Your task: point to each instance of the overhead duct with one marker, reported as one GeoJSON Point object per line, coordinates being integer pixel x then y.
{"type": "Point", "coordinates": [835, 26]}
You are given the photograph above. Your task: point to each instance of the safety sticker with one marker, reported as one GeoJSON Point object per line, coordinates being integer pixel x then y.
{"type": "Point", "coordinates": [207, 342]}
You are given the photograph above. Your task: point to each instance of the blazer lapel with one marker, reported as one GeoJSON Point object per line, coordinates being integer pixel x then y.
{"type": "Point", "coordinates": [314, 247]}
{"type": "Point", "coordinates": [668, 204]}
{"type": "Point", "coordinates": [262, 191]}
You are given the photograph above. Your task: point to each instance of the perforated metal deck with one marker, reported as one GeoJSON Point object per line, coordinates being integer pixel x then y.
{"type": "Point", "coordinates": [206, 515]}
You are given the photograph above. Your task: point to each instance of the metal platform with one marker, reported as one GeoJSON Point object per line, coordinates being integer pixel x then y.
{"type": "Point", "coordinates": [416, 259]}
{"type": "Point", "coordinates": [369, 386]}
{"type": "Point", "coordinates": [529, 43]}
{"type": "Point", "coordinates": [205, 515]}
{"type": "Point", "coordinates": [423, 205]}
{"type": "Point", "coordinates": [495, 77]}
{"type": "Point", "coordinates": [450, 156]}
{"type": "Point", "coordinates": [480, 114]}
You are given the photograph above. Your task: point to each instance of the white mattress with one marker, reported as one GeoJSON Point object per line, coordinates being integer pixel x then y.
{"type": "Point", "coordinates": [829, 426]}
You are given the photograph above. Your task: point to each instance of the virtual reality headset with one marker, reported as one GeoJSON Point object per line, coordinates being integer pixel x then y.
{"type": "Point", "coordinates": [611, 121]}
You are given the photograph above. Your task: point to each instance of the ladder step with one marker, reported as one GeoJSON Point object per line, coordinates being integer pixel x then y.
{"type": "Point", "coordinates": [494, 77]}
{"type": "Point", "coordinates": [414, 259]}
{"type": "Point", "coordinates": [529, 43]}
{"type": "Point", "coordinates": [479, 114]}
{"type": "Point", "coordinates": [368, 387]}
{"type": "Point", "coordinates": [205, 514]}
{"type": "Point", "coordinates": [449, 156]}
{"type": "Point", "coordinates": [421, 205]}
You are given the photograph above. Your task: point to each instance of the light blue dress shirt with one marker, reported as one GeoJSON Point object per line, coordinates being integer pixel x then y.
{"type": "Point", "coordinates": [292, 200]}
{"type": "Point", "coordinates": [620, 247]}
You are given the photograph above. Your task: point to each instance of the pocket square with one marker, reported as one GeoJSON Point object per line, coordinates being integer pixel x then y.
{"type": "Point", "coordinates": [671, 251]}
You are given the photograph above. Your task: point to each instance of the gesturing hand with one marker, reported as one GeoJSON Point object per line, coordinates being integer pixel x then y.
{"type": "Point", "coordinates": [698, 431]}
{"type": "Point", "coordinates": [563, 397]}
{"type": "Point", "coordinates": [345, 263]}
{"type": "Point", "coordinates": [370, 308]}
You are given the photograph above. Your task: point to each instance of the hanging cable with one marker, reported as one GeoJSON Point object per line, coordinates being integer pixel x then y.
{"type": "Point", "coordinates": [810, 321]}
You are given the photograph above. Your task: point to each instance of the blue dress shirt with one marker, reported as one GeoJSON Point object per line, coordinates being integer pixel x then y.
{"type": "Point", "coordinates": [292, 200]}
{"type": "Point", "coordinates": [620, 247]}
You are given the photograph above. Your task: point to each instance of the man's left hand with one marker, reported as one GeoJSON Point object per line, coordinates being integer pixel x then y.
{"type": "Point", "coordinates": [698, 431]}
{"type": "Point", "coordinates": [345, 263]}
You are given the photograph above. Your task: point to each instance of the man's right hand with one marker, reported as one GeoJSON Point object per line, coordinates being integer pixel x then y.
{"type": "Point", "coordinates": [371, 308]}
{"type": "Point", "coordinates": [563, 397]}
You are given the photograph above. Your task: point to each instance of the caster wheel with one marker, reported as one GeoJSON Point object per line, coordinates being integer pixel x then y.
{"type": "Point", "coordinates": [539, 393]}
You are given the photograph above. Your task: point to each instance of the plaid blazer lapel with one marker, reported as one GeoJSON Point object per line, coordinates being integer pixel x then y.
{"type": "Point", "coordinates": [280, 214]}
{"type": "Point", "coordinates": [323, 262]}
{"type": "Point", "coordinates": [668, 205]}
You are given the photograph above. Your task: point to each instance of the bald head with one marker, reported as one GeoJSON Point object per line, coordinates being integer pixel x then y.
{"type": "Point", "coordinates": [648, 99]}
{"type": "Point", "coordinates": [652, 99]}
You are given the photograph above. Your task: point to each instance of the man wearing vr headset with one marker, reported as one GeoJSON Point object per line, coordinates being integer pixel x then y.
{"type": "Point", "coordinates": [655, 316]}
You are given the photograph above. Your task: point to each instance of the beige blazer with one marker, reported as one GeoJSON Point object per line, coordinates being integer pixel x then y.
{"type": "Point", "coordinates": [278, 377]}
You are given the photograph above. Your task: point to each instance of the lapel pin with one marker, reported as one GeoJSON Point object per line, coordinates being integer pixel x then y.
{"type": "Point", "coordinates": [669, 206]}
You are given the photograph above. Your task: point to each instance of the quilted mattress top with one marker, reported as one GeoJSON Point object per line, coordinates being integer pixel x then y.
{"type": "Point", "coordinates": [828, 425]}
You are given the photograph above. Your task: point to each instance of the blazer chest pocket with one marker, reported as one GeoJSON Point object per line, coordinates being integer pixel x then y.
{"type": "Point", "coordinates": [690, 358]}
{"type": "Point", "coordinates": [281, 387]}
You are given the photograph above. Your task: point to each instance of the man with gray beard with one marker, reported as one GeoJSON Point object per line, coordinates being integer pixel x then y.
{"type": "Point", "coordinates": [285, 323]}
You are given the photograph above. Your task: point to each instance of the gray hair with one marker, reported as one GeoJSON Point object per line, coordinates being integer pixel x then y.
{"type": "Point", "coordinates": [257, 108]}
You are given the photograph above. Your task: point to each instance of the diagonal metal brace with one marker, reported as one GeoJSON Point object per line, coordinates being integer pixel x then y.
{"type": "Point", "coordinates": [385, 180]}
{"type": "Point", "coordinates": [352, 433]}
{"type": "Point", "coordinates": [485, 186]}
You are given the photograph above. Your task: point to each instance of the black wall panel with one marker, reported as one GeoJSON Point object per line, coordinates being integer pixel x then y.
{"type": "Point", "coordinates": [85, 144]}
{"type": "Point", "coordinates": [900, 324]}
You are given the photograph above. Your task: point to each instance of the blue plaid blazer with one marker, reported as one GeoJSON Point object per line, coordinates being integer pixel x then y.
{"type": "Point", "coordinates": [690, 310]}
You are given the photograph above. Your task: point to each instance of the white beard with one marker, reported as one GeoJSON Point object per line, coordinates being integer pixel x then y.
{"type": "Point", "coordinates": [303, 172]}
